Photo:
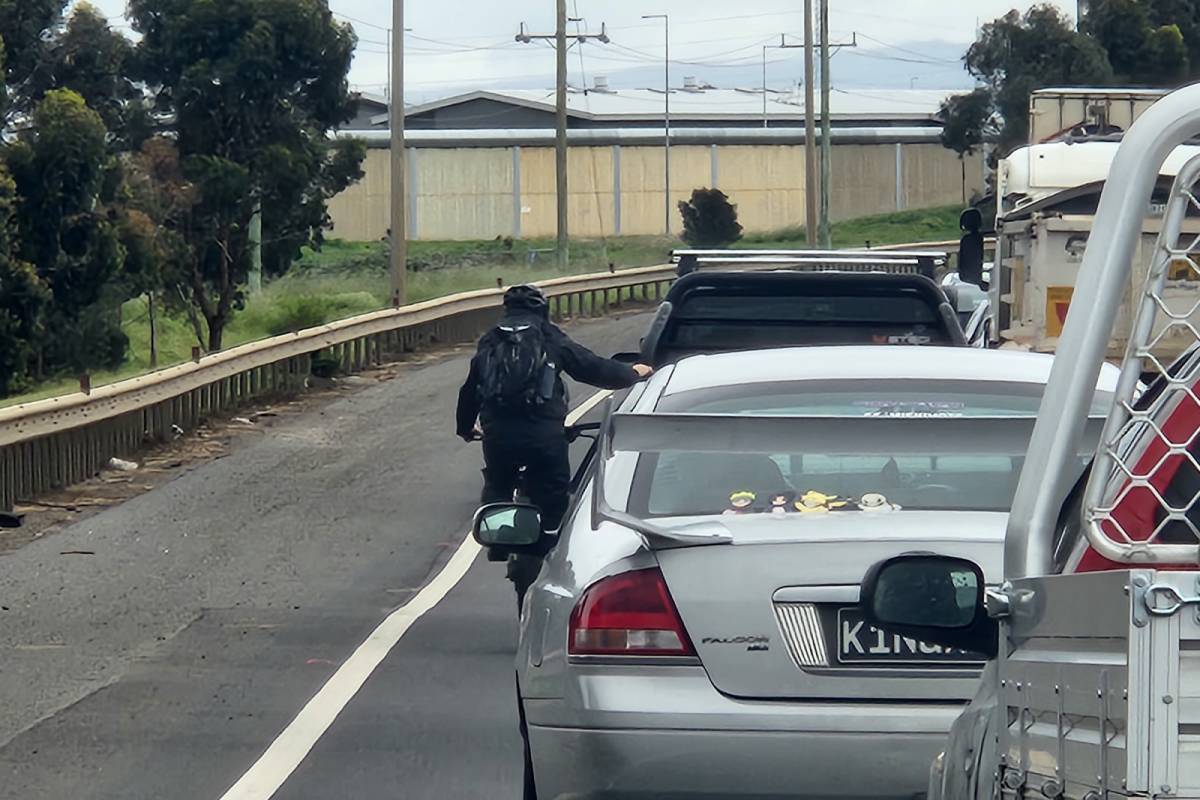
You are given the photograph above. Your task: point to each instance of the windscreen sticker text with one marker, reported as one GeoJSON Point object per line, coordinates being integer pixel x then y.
{"type": "Point", "coordinates": [911, 408]}
{"type": "Point", "coordinates": [903, 338]}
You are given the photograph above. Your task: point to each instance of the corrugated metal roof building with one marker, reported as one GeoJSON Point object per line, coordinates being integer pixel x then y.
{"type": "Point", "coordinates": [481, 164]}
{"type": "Point", "coordinates": [692, 105]}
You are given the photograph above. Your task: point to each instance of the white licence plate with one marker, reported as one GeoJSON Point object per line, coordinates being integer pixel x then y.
{"type": "Point", "coordinates": [860, 643]}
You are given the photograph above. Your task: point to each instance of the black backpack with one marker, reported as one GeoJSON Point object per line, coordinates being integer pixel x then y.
{"type": "Point", "coordinates": [514, 366]}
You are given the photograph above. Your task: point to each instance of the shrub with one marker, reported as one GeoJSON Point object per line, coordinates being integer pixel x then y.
{"type": "Point", "coordinates": [709, 219]}
{"type": "Point", "coordinates": [295, 312]}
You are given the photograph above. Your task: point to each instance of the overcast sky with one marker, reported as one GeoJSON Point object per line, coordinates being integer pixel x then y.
{"type": "Point", "coordinates": [460, 43]}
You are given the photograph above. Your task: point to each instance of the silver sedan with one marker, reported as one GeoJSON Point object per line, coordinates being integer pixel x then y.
{"type": "Point", "coordinates": [695, 630]}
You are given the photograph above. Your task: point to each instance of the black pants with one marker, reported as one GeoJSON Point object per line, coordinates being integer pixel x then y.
{"type": "Point", "coordinates": [542, 450]}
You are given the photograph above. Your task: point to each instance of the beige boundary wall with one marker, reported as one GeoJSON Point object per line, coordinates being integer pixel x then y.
{"type": "Point", "coordinates": [483, 192]}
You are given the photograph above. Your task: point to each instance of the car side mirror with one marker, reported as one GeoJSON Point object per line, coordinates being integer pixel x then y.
{"type": "Point", "coordinates": [508, 525]}
{"type": "Point", "coordinates": [628, 358]}
{"type": "Point", "coordinates": [933, 598]}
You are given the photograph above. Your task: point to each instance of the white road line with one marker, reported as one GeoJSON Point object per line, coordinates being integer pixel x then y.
{"type": "Point", "coordinates": [290, 748]}
{"type": "Point", "coordinates": [263, 779]}
{"type": "Point", "coordinates": [583, 408]}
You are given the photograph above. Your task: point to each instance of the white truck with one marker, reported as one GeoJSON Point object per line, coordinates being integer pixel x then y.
{"type": "Point", "coordinates": [1092, 688]}
{"type": "Point", "coordinates": [1047, 194]}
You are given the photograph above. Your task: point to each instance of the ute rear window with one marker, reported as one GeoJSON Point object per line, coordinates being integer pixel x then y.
{"type": "Point", "coordinates": [891, 309]}
{"type": "Point", "coordinates": [688, 338]}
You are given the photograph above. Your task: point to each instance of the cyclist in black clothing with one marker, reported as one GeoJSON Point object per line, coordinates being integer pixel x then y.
{"type": "Point", "coordinates": [529, 431]}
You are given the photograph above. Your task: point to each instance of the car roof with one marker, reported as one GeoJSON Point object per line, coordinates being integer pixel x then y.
{"type": "Point", "coordinates": [870, 362]}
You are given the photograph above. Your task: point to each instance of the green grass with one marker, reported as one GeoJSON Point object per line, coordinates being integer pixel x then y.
{"type": "Point", "coordinates": [347, 278]}
{"type": "Point", "coordinates": [922, 225]}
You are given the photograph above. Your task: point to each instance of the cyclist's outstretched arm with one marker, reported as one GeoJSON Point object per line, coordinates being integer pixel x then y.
{"type": "Point", "coordinates": [468, 405]}
{"type": "Point", "coordinates": [585, 366]}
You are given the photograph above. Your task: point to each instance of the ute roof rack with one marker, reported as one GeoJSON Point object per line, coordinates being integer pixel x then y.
{"type": "Point", "coordinates": [909, 262]}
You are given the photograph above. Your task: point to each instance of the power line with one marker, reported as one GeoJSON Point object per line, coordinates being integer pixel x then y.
{"type": "Point", "coordinates": [358, 21]}
{"type": "Point", "coordinates": [702, 20]}
{"type": "Point", "coordinates": [503, 44]}
{"type": "Point", "coordinates": [734, 64]}
{"type": "Point", "coordinates": [902, 60]}
{"type": "Point", "coordinates": [580, 25]}
{"type": "Point", "coordinates": [648, 57]}
{"type": "Point", "coordinates": [560, 38]}
{"type": "Point", "coordinates": [754, 45]}
{"type": "Point", "coordinates": [891, 98]}
{"type": "Point", "coordinates": [906, 50]}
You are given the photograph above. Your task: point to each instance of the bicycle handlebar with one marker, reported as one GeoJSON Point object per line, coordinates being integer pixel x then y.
{"type": "Point", "coordinates": [573, 431]}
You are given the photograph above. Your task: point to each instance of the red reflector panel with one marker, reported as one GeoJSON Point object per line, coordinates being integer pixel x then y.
{"type": "Point", "coordinates": [628, 614]}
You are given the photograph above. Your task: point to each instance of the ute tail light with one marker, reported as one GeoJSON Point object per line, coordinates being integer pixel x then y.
{"type": "Point", "coordinates": [630, 614]}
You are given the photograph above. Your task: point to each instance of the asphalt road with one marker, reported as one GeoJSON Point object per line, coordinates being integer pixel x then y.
{"type": "Point", "coordinates": [206, 613]}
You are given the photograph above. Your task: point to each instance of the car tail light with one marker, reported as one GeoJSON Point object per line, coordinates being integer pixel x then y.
{"type": "Point", "coordinates": [630, 614]}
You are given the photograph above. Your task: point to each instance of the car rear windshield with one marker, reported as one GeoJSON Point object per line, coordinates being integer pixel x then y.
{"type": "Point", "coordinates": [868, 398]}
{"type": "Point", "coordinates": [681, 484]}
{"type": "Point", "coordinates": [857, 477]}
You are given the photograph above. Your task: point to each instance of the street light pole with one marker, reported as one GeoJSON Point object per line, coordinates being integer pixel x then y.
{"type": "Point", "coordinates": [764, 86]}
{"type": "Point", "coordinates": [666, 114]}
{"type": "Point", "coordinates": [399, 232]}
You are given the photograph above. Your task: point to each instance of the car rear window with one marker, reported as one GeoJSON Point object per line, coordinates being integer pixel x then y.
{"type": "Point", "coordinates": [868, 398]}
{"type": "Point", "coordinates": [924, 473]}
{"type": "Point", "coordinates": [677, 483]}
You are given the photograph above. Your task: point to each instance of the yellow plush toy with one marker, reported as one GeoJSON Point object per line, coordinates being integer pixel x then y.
{"type": "Point", "coordinates": [740, 503]}
{"type": "Point", "coordinates": [817, 503]}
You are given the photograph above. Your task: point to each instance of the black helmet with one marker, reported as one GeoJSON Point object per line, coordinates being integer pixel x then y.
{"type": "Point", "coordinates": [525, 298]}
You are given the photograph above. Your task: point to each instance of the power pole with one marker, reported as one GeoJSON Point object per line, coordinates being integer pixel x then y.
{"type": "Point", "coordinates": [561, 253]}
{"type": "Point", "coordinates": [826, 156]}
{"type": "Point", "coordinates": [826, 229]}
{"type": "Point", "coordinates": [783, 45]}
{"type": "Point", "coordinates": [666, 115]}
{"type": "Point", "coordinates": [560, 138]}
{"type": "Point", "coordinates": [810, 133]}
{"type": "Point", "coordinates": [399, 228]}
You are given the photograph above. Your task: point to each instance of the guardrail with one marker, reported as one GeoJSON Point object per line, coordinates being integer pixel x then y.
{"type": "Point", "coordinates": [53, 443]}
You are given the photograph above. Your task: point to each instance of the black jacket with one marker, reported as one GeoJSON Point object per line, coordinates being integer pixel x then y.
{"type": "Point", "coordinates": [568, 356]}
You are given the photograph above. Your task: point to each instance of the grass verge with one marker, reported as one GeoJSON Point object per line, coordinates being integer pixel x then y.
{"type": "Point", "coordinates": [347, 278]}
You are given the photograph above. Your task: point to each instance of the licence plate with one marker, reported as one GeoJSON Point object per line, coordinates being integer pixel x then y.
{"type": "Point", "coordinates": [860, 643]}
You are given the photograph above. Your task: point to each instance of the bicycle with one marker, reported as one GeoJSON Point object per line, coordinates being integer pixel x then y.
{"type": "Point", "coordinates": [523, 568]}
